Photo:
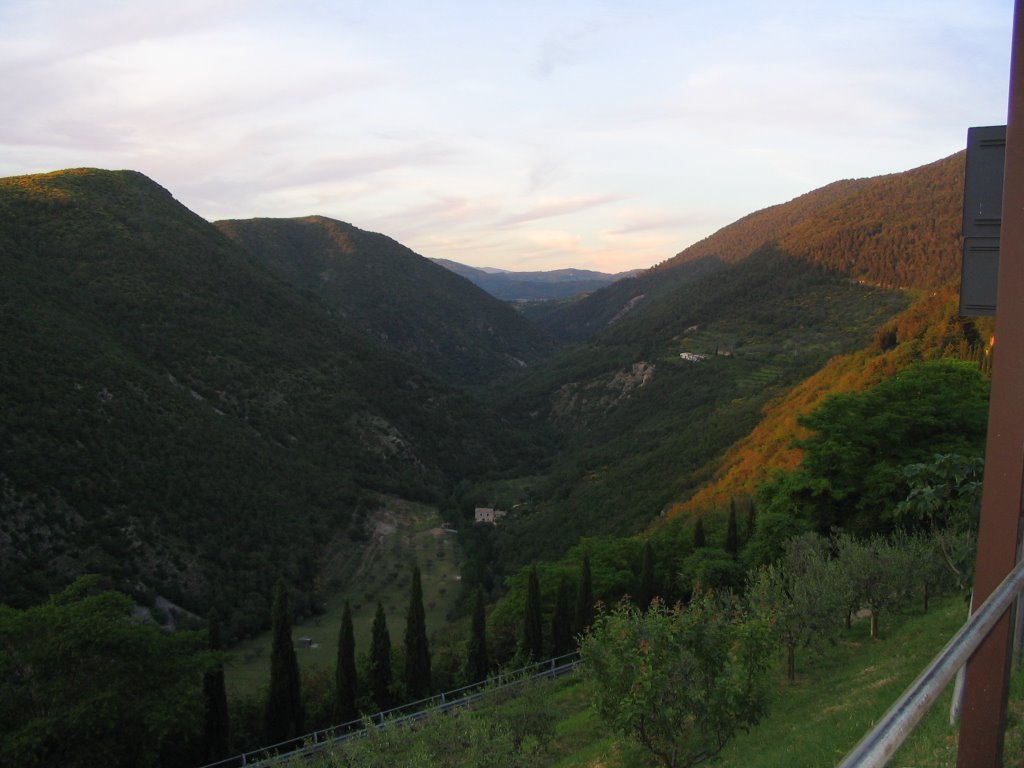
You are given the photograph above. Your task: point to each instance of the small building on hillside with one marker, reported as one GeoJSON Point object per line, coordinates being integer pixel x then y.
{"type": "Point", "coordinates": [489, 515]}
{"type": "Point", "coordinates": [693, 357]}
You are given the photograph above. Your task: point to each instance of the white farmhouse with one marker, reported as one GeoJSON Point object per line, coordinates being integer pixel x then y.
{"type": "Point", "coordinates": [488, 515]}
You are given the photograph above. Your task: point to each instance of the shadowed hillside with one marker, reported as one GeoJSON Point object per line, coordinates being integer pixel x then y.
{"type": "Point", "coordinates": [404, 300]}
{"type": "Point", "coordinates": [174, 416]}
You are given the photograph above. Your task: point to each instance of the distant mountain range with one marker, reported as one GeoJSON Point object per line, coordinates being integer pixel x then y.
{"type": "Point", "coordinates": [535, 286]}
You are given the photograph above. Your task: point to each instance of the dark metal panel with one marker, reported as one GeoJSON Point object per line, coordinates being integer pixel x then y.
{"type": "Point", "coordinates": [979, 276]}
{"type": "Point", "coordinates": [983, 211]}
{"type": "Point", "coordinates": [983, 181]}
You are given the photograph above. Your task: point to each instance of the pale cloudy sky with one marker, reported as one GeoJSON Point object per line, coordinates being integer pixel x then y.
{"type": "Point", "coordinates": [526, 135]}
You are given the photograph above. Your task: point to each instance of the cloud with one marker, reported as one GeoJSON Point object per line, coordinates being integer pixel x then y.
{"type": "Point", "coordinates": [551, 55]}
{"type": "Point", "coordinates": [648, 223]}
{"type": "Point", "coordinates": [554, 208]}
{"type": "Point", "coordinates": [489, 132]}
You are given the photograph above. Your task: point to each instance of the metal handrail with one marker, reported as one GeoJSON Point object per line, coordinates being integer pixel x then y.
{"type": "Point", "coordinates": [406, 713]}
{"type": "Point", "coordinates": [881, 743]}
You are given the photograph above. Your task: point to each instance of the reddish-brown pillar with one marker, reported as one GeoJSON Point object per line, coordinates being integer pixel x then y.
{"type": "Point", "coordinates": [984, 709]}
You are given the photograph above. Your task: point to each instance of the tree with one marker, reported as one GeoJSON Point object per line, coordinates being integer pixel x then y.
{"type": "Point", "coordinates": [877, 573]}
{"type": "Point", "coordinates": [732, 534]}
{"type": "Point", "coordinates": [346, 684]}
{"type": "Point", "coordinates": [709, 568]}
{"type": "Point", "coordinates": [284, 716]}
{"type": "Point", "coordinates": [533, 626]}
{"type": "Point", "coordinates": [681, 681]}
{"type": "Point", "coordinates": [768, 543]}
{"type": "Point", "coordinates": [217, 724]}
{"type": "Point", "coordinates": [83, 682]}
{"type": "Point", "coordinates": [561, 621]}
{"type": "Point", "coordinates": [645, 590]}
{"type": "Point", "coordinates": [417, 652]}
{"type": "Point", "coordinates": [700, 538]}
{"type": "Point", "coordinates": [477, 662]}
{"type": "Point", "coordinates": [584, 598]}
{"type": "Point", "coordinates": [380, 660]}
{"type": "Point", "coordinates": [945, 499]}
{"type": "Point", "coordinates": [851, 475]}
{"type": "Point", "coordinates": [802, 594]}
{"type": "Point", "coordinates": [751, 521]}
{"type": "Point", "coordinates": [927, 566]}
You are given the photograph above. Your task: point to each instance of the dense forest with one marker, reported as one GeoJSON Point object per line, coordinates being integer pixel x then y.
{"type": "Point", "coordinates": [181, 420]}
{"type": "Point", "coordinates": [401, 299]}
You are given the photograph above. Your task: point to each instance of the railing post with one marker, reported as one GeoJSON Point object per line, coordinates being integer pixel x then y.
{"type": "Point", "coordinates": [987, 680]}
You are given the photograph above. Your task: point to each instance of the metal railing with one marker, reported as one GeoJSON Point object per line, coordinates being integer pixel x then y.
{"type": "Point", "coordinates": [881, 743]}
{"type": "Point", "coordinates": [407, 713]}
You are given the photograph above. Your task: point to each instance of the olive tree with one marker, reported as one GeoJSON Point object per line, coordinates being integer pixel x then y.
{"type": "Point", "coordinates": [679, 681]}
{"type": "Point", "coordinates": [802, 594]}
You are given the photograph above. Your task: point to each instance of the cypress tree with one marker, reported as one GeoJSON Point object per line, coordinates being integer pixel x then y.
{"type": "Point", "coordinates": [533, 626]}
{"type": "Point", "coordinates": [346, 685]}
{"type": "Point", "coordinates": [751, 520]}
{"type": "Point", "coordinates": [380, 660]}
{"type": "Point", "coordinates": [477, 663]}
{"type": "Point", "coordinates": [700, 540]}
{"type": "Point", "coordinates": [584, 598]}
{"type": "Point", "coordinates": [217, 722]}
{"type": "Point", "coordinates": [561, 622]}
{"type": "Point", "coordinates": [284, 705]}
{"type": "Point", "coordinates": [417, 652]}
{"type": "Point", "coordinates": [645, 592]}
{"type": "Point", "coordinates": [732, 535]}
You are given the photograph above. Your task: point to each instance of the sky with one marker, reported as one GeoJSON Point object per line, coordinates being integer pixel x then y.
{"type": "Point", "coordinates": [524, 135]}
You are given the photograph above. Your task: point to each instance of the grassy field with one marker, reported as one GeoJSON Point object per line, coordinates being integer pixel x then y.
{"type": "Point", "coordinates": [816, 720]}
{"type": "Point", "coordinates": [402, 533]}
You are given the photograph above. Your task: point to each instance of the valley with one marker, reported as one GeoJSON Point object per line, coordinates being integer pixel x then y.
{"type": "Point", "coordinates": [198, 412]}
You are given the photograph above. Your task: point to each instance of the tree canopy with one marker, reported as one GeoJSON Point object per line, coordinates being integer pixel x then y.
{"type": "Point", "coordinates": [680, 681]}
{"type": "Point", "coordinates": [852, 472]}
{"type": "Point", "coordinates": [77, 676]}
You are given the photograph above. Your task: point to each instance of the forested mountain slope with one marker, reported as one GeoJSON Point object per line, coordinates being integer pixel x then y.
{"type": "Point", "coordinates": [928, 330]}
{"type": "Point", "coordinates": [898, 231]}
{"type": "Point", "coordinates": [643, 409]}
{"type": "Point", "coordinates": [701, 344]}
{"type": "Point", "coordinates": [176, 417]}
{"type": "Point", "coordinates": [404, 300]}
